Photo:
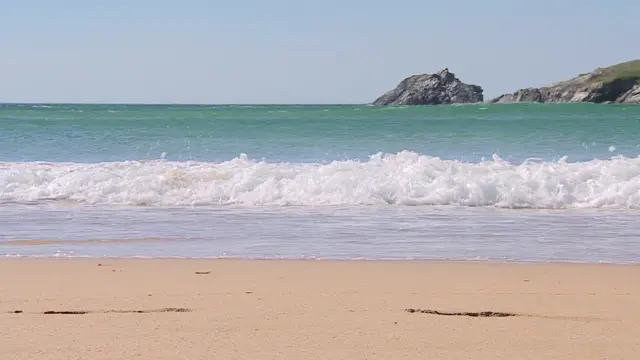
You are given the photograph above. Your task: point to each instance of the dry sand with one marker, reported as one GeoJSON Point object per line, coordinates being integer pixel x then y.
{"type": "Point", "coordinates": [316, 310]}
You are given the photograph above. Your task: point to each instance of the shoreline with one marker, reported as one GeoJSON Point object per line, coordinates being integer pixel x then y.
{"type": "Point", "coordinates": [248, 309]}
{"type": "Point", "coordinates": [320, 260]}
{"type": "Point", "coordinates": [312, 259]}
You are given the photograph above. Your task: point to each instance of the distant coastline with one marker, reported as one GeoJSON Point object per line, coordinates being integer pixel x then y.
{"type": "Point", "coordinates": [616, 84]}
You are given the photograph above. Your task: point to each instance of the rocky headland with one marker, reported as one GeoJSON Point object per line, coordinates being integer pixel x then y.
{"type": "Point", "coordinates": [618, 84]}
{"type": "Point", "coordinates": [441, 88]}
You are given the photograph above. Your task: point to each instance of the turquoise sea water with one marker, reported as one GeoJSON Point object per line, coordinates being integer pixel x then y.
{"type": "Point", "coordinates": [520, 182]}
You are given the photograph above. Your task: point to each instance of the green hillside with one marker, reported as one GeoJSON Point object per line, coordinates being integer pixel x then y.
{"type": "Point", "coordinates": [625, 70]}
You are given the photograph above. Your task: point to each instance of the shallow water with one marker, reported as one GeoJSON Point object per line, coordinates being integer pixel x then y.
{"type": "Point", "coordinates": [482, 182]}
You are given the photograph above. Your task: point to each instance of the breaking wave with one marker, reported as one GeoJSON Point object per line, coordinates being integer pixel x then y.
{"type": "Point", "coordinates": [405, 178]}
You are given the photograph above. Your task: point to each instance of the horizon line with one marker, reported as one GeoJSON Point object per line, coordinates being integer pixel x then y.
{"type": "Point", "coordinates": [181, 104]}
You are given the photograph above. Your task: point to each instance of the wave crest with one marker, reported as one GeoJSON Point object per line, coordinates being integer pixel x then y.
{"type": "Point", "coordinates": [405, 178]}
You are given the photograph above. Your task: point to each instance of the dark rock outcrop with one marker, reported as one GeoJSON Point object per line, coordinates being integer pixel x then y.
{"type": "Point", "coordinates": [432, 89]}
{"type": "Point", "coordinates": [522, 95]}
{"type": "Point", "coordinates": [615, 84]}
{"type": "Point", "coordinates": [630, 97]}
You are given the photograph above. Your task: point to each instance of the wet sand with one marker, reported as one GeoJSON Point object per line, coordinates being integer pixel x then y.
{"type": "Point", "coordinates": [280, 309]}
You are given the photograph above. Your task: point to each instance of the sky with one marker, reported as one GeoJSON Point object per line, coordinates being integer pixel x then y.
{"type": "Point", "coordinates": [297, 52]}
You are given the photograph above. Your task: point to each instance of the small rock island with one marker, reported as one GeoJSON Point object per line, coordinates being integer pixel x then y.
{"type": "Point", "coordinates": [441, 88]}
{"type": "Point", "coordinates": [618, 84]}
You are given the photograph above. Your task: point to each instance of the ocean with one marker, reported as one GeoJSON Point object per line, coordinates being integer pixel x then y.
{"type": "Point", "coordinates": [498, 182]}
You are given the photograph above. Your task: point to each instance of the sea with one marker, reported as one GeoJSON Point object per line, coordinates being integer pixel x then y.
{"type": "Point", "coordinates": [482, 182]}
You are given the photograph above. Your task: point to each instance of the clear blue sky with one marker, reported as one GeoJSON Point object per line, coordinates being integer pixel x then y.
{"type": "Point", "coordinates": [279, 51]}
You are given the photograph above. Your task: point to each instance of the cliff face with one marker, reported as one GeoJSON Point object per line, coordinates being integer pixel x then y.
{"type": "Point", "coordinates": [630, 97]}
{"type": "Point", "coordinates": [432, 89]}
{"type": "Point", "coordinates": [615, 84]}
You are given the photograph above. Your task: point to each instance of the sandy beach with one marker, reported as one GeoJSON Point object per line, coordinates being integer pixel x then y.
{"type": "Point", "coordinates": [240, 309]}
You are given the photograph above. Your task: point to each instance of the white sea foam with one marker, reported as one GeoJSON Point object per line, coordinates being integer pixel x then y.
{"type": "Point", "coordinates": [406, 178]}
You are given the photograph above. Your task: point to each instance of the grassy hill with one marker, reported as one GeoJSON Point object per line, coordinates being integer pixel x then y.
{"type": "Point", "coordinates": [625, 70]}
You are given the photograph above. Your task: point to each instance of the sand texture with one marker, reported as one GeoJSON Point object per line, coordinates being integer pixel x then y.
{"type": "Point", "coordinates": [239, 309]}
